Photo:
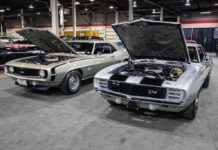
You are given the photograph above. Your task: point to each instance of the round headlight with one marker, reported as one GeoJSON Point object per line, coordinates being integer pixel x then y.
{"type": "Point", "coordinates": [11, 69]}
{"type": "Point", "coordinates": [42, 73]}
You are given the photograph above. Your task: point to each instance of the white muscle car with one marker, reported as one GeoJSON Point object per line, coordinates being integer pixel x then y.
{"type": "Point", "coordinates": [159, 74]}
{"type": "Point", "coordinates": [62, 65]}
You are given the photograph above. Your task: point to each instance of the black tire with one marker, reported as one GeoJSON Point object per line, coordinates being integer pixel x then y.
{"type": "Point", "coordinates": [191, 111]}
{"type": "Point", "coordinates": [67, 84]}
{"type": "Point", "coordinates": [112, 103]}
{"type": "Point", "coordinates": [206, 82]}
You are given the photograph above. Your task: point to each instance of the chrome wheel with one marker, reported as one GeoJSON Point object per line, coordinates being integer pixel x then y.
{"type": "Point", "coordinates": [74, 82]}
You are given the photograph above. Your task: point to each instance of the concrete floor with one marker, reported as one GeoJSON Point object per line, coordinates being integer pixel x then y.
{"type": "Point", "coordinates": [31, 120]}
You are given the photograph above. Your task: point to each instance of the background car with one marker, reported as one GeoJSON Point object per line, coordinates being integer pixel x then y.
{"type": "Point", "coordinates": [62, 65]}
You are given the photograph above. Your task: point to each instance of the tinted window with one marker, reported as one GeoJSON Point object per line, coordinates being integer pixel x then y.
{"type": "Point", "coordinates": [104, 48]}
{"type": "Point", "coordinates": [193, 54]}
{"type": "Point", "coordinates": [82, 47]}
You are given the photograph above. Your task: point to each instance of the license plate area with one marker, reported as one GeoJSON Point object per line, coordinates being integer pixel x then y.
{"type": "Point", "coordinates": [21, 82]}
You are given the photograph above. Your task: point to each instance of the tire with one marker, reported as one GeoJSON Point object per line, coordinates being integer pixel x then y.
{"type": "Point", "coordinates": [191, 111]}
{"type": "Point", "coordinates": [206, 82]}
{"type": "Point", "coordinates": [71, 83]}
{"type": "Point", "coordinates": [112, 103]}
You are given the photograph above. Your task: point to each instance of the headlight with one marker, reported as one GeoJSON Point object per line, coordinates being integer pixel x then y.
{"type": "Point", "coordinates": [100, 83]}
{"type": "Point", "coordinates": [42, 73]}
{"type": "Point", "coordinates": [11, 69]}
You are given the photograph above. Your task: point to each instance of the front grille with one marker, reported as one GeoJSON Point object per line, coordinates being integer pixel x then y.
{"type": "Point", "coordinates": [137, 90]}
{"type": "Point", "coordinates": [150, 81]}
{"type": "Point", "coordinates": [26, 72]}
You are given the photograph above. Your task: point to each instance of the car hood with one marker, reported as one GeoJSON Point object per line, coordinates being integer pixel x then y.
{"type": "Point", "coordinates": [146, 39]}
{"type": "Point", "coordinates": [46, 40]}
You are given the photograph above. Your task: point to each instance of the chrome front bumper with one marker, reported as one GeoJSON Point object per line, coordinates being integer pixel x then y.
{"type": "Point", "coordinates": [143, 103]}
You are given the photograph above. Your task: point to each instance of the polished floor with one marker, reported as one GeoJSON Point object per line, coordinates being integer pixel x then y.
{"type": "Point", "coordinates": [31, 120]}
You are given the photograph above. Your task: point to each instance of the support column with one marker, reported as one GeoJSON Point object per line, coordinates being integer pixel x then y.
{"type": "Point", "coordinates": [22, 18]}
{"type": "Point", "coordinates": [54, 17]}
{"type": "Point", "coordinates": [130, 10]}
{"type": "Point", "coordinates": [161, 13]}
{"type": "Point", "coordinates": [2, 32]}
{"type": "Point", "coordinates": [62, 20]}
{"type": "Point", "coordinates": [1, 21]}
{"type": "Point", "coordinates": [74, 17]}
{"type": "Point", "coordinates": [116, 17]}
{"type": "Point", "coordinates": [178, 18]}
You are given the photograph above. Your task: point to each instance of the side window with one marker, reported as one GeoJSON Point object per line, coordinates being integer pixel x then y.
{"type": "Point", "coordinates": [201, 53]}
{"type": "Point", "coordinates": [193, 54]}
{"type": "Point", "coordinates": [104, 48]}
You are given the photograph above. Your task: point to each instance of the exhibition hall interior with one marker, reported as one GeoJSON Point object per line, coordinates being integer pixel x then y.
{"type": "Point", "coordinates": [108, 74]}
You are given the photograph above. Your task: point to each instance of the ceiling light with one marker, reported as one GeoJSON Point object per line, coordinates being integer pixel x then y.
{"type": "Point", "coordinates": [2, 10]}
{"type": "Point", "coordinates": [86, 9]}
{"type": "Point", "coordinates": [134, 4]}
{"type": "Point", "coordinates": [153, 11]}
{"type": "Point", "coordinates": [31, 6]}
{"type": "Point", "coordinates": [59, 4]}
{"type": "Point", "coordinates": [216, 4]}
{"type": "Point", "coordinates": [91, 0]}
{"type": "Point", "coordinates": [38, 13]}
{"type": "Point", "coordinates": [111, 7]}
{"type": "Point", "coordinates": [205, 12]}
{"type": "Point", "coordinates": [8, 8]}
{"type": "Point", "coordinates": [187, 3]}
{"type": "Point", "coordinates": [77, 3]}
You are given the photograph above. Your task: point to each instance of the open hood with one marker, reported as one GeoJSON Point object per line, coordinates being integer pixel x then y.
{"type": "Point", "coordinates": [46, 40]}
{"type": "Point", "coordinates": [146, 39]}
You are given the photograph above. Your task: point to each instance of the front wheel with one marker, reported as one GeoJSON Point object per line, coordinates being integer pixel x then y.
{"type": "Point", "coordinates": [191, 111]}
{"type": "Point", "coordinates": [71, 83]}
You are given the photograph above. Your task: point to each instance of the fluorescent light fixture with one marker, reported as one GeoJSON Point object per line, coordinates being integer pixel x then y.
{"type": "Point", "coordinates": [216, 4]}
{"type": "Point", "coordinates": [111, 7]}
{"type": "Point", "coordinates": [38, 13]}
{"type": "Point", "coordinates": [134, 4]}
{"type": "Point", "coordinates": [153, 11]}
{"type": "Point", "coordinates": [205, 12]}
{"type": "Point", "coordinates": [77, 3]}
{"type": "Point", "coordinates": [2, 10]}
{"type": "Point", "coordinates": [8, 8]}
{"type": "Point", "coordinates": [91, 0]}
{"type": "Point", "coordinates": [31, 6]}
{"type": "Point", "coordinates": [86, 9]}
{"type": "Point", "coordinates": [187, 3]}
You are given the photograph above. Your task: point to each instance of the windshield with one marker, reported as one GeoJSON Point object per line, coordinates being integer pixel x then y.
{"type": "Point", "coordinates": [193, 54]}
{"type": "Point", "coordinates": [85, 48]}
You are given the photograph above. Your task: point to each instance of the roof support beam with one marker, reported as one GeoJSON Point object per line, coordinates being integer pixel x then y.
{"type": "Point", "coordinates": [158, 5]}
{"type": "Point", "coordinates": [161, 13]}
{"type": "Point", "coordinates": [130, 10]}
{"type": "Point", "coordinates": [54, 17]}
{"type": "Point", "coordinates": [22, 18]}
{"type": "Point", "coordinates": [74, 17]}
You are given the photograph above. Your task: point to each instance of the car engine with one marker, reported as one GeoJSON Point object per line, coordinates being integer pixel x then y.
{"type": "Point", "coordinates": [167, 71]}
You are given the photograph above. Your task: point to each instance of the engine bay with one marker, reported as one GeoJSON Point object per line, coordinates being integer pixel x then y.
{"type": "Point", "coordinates": [167, 71]}
{"type": "Point", "coordinates": [45, 59]}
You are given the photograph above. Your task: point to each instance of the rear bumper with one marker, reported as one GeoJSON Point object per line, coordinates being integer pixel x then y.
{"type": "Point", "coordinates": [143, 103]}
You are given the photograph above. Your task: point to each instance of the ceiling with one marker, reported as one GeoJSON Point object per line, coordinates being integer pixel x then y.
{"type": "Point", "coordinates": [144, 7]}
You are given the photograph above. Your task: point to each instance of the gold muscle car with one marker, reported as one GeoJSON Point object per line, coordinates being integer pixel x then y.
{"type": "Point", "coordinates": [63, 65]}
